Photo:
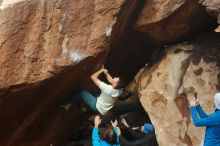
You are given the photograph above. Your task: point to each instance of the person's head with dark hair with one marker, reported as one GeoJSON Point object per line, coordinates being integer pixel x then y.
{"type": "Point", "coordinates": [110, 136]}
{"type": "Point", "coordinates": [118, 83]}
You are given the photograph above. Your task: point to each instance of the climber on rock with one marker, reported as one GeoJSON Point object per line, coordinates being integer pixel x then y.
{"type": "Point", "coordinates": [211, 121]}
{"type": "Point", "coordinates": [109, 93]}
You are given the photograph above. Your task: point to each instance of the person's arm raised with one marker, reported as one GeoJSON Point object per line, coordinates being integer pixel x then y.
{"type": "Point", "coordinates": [108, 76]}
{"type": "Point", "coordinates": [124, 122]}
{"type": "Point", "coordinates": [95, 77]}
{"type": "Point", "coordinates": [95, 135]}
{"type": "Point", "coordinates": [200, 111]}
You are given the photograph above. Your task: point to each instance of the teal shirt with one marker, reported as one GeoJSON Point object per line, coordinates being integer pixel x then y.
{"type": "Point", "coordinates": [96, 141]}
{"type": "Point", "coordinates": [211, 122]}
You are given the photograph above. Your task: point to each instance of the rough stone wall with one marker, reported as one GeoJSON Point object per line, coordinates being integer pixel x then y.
{"type": "Point", "coordinates": [47, 49]}
{"type": "Point", "coordinates": [169, 21]}
{"type": "Point", "coordinates": [39, 38]}
{"type": "Point", "coordinates": [185, 68]}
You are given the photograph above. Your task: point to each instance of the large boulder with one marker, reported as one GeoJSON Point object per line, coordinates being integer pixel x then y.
{"type": "Point", "coordinates": [169, 21]}
{"type": "Point", "coordinates": [47, 48]}
{"type": "Point", "coordinates": [40, 38]}
{"type": "Point", "coordinates": [167, 88]}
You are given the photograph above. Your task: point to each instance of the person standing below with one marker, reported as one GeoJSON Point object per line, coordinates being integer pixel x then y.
{"type": "Point", "coordinates": [110, 137]}
{"type": "Point", "coordinates": [109, 93]}
{"type": "Point", "coordinates": [142, 135]}
{"type": "Point", "coordinates": [211, 121]}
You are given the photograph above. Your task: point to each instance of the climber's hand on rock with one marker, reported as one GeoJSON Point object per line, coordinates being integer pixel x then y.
{"type": "Point", "coordinates": [102, 66]}
{"type": "Point", "coordinates": [105, 71]}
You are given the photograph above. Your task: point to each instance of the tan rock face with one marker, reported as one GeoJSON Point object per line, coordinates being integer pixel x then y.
{"type": "Point", "coordinates": [185, 68]}
{"type": "Point", "coordinates": [168, 21]}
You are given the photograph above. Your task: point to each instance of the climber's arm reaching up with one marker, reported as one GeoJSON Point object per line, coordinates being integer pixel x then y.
{"type": "Point", "coordinates": [108, 76]}
{"type": "Point", "coordinates": [95, 77]}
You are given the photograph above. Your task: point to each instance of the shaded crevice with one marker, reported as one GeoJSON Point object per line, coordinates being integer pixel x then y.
{"type": "Point", "coordinates": [211, 55]}
{"type": "Point", "coordinates": [129, 48]}
{"type": "Point", "coordinates": [208, 55]}
{"type": "Point", "coordinates": [126, 59]}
